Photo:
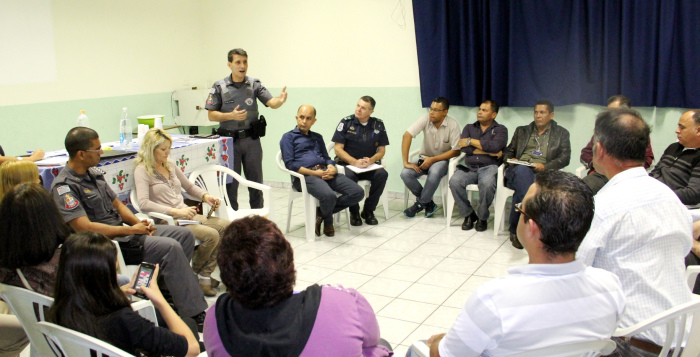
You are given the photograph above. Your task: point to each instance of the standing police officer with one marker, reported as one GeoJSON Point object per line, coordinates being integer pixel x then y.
{"type": "Point", "coordinates": [360, 141]}
{"type": "Point", "coordinates": [232, 102]}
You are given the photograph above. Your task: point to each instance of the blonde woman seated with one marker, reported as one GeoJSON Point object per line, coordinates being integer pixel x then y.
{"type": "Point", "coordinates": [12, 173]}
{"type": "Point", "coordinates": [158, 186]}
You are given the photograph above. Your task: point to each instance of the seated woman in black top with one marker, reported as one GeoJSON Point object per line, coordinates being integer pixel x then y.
{"type": "Point", "coordinates": [87, 299]}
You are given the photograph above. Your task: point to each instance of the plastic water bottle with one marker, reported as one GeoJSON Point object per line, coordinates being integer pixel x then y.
{"type": "Point", "coordinates": [125, 135]}
{"type": "Point", "coordinates": [83, 119]}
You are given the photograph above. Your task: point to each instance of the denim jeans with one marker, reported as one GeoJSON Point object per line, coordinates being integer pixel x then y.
{"type": "Point", "coordinates": [485, 178]}
{"type": "Point", "coordinates": [519, 178]}
{"type": "Point", "coordinates": [435, 172]}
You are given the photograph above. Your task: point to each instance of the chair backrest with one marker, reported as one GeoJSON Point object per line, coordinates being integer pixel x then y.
{"type": "Point", "coordinates": [75, 344]}
{"type": "Point", "coordinates": [134, 200]}
{"type": "Point", "coordinates": [691, 275]}
{"type": "Point", "coordinates": [29, 307]}
{"type": "Point", "coordinates": [577, 349]}
{"type": "Point", "coordinates": [213, 178]}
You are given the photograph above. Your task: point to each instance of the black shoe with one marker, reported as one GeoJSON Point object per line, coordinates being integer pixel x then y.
{"type": "Point", "coordinates": [515, 242]}
{"type": "Point", "coordinates": [199, 319]}
{"type": "Point", "coordinates": [410, 212]}
{"type": "Point", "coordinates": [430, 209]}
{"type": "Point", "coordinates": [481, 225]}
{"type": "Point", "coordinates": [469, 221]}
{"type": "Point", "coordinates": [355, 219]}
{"type": "Point", "coordinates": [369, 218]}
{"type": "Point", "coordinates": [319, 220]}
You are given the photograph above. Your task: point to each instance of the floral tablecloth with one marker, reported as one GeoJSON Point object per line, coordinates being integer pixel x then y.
{"type": "Point", "coordinates": [188, 154]}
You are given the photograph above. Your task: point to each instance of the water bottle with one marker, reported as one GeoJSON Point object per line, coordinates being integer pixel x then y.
{"type": "Point", "coordinates": [125, 135]}
{"type": "Point", "coordinates": [83, 119]}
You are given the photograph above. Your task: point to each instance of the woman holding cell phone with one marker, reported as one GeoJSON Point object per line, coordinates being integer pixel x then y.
{"type": "Point", "coordinates": [95, 305]}
{"type": "Point", "coordinates": [158, 185]}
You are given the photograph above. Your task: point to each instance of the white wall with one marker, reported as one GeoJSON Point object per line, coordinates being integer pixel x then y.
{"type": "Point", "coordinates": [314, 43]}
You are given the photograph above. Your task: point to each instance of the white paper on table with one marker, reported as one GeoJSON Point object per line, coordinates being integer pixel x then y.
{"type": "Point", "coordinates": [358, 170]}
{"type": "Point", "coordinates": [518, 162]}
{"type": "Point", "coordinates": [53, 161]}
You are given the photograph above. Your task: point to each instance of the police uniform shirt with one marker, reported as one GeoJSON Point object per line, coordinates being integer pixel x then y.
{"type": "Point", "coordinates": [85, 195]}
{"type": "Point", "coordinates": [225, 96]}
{"type": "Point", "coordinates": [360, 140]}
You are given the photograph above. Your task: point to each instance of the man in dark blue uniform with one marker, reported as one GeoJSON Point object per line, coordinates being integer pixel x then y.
{"type": "Point", "coordinates": [232, 102]}
{"type": "Point", "coordinates": [360, 141]}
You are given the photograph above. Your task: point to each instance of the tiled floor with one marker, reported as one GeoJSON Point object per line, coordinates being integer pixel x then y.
{"type": "Point", "coordinates": [417, 273]}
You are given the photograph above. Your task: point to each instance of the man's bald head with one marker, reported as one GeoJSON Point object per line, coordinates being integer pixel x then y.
{"type": "Point", "coordinates": [306, 117]}
{"type": "Point", "coordinates": [307, 107]}
{"type": "Point", "coordinates": [623, 134]}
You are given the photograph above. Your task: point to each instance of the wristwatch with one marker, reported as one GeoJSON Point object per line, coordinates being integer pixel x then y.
{"type": "Point", "coordinates": [469, 141]}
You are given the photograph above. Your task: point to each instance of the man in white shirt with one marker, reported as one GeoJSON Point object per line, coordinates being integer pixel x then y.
{"type": "Point", "coordinates": [552, 300]}
{"type": "Point", "coordinates": [440, 144]}
{"type": "Point", "coordinates": [641, 231]}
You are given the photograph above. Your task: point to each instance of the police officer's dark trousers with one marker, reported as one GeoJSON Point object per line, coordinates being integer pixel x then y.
{"type": "Point", "coordinates": [325, 192]}
{"type": "Point", "coordinates": [377, 179]}
{"type": "Point", "coordinates": [248, 153]}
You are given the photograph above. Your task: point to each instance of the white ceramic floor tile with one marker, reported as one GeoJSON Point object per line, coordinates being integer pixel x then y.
{"type": "Point", "coordinates": [346, 279]}
{"type": "Point", "coordinates": [470, 253]}
{"type": "Point", "coordinates": [448, 239]}
{"type": "Point", "coordinates": [401, 244]}
{"type": "Point", "coordinates": [312, 273]}
{"type": "Point", "coordinates": [364, 266]}
{"type": "Point", "coordinates": [384, 232]}
{"type": "Point", "coordinates": [454, 265]}
{"type": "Point", "coordinates": [303, 257]}
{"type": "Point", "coordinates": [430, 294]}
{"type": "Point", "coordinates": [443, 317]}
{"type": "Point", "coordinates": [403, 272]}
{"type": "Point", "coordinates": [492, 270]}
{"type": "Point", "coordinates": [384, 287]}
{"type": "Point", "coordinates": [458, 299]}
{"type": "Point", "coordinates": [394, 330]}
{"type": "Point", "coordinates": [384, 255]}
{"type": "Point", "coordinates": [378, 302]}
{"type": "Point", "coordinates": [318, 246]}
{"type": "Point", "coordinates": [331, 261]}
{"type": "Point", "coordinates": [350, 251]}
{"type": "Point", "coordinates": [474, 282]}
{"type": "Point", "coordinates": [420, 260]}
{"type": "Point", "coordinates": [368, 241]}
{"type": "Point", "coordinates": [438, 250]}
{"type": "Point", "coordinates": [445, 279]}
{"type": "Point", "coordinates": [407, 310]}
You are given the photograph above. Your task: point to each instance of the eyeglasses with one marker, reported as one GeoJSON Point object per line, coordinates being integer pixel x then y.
{"type": "Point", "coordinates": [98, 150]}
{"type": "Point", "coordinates": [519, 208]}
{"type": "Point", "coordinates": [435, 110]}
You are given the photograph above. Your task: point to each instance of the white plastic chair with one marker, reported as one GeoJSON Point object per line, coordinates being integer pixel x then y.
{"type": "Point", "coordinates": [581, 171]}
{"type": "Point", "coordinates": [691, 275]}
{"type": "Point", "coordinates": [365, 184]}
{"type": "Point", "coordinates": [310, 202]}
{"type": "Point", "coordinates": [578, 349]}
{"type": "Point", "coordinates": [445, 193]}
{"type": "Point", "coordinates": [471, 189]}
{"type": "Point", "coordinates": [75, 344]}
{"type": "Point", "coordinates": [213, 178]}
{"type": "Point", "coordinates": [502, 195]}
{"type": "Point", "coordinates": [683, 316]}
{"type": "Point", "coordinates": [29, 307]}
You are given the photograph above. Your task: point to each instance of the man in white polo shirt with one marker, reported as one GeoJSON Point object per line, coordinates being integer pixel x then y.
{"type": "Point", "coordinates": [552, 300]}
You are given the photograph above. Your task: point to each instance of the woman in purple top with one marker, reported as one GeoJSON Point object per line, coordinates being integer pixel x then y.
{"type": "Point", "coordinates": [260, 315]}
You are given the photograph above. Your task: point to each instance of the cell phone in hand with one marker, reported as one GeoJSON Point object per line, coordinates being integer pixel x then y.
{"type": "Point", "coordinates": [213, 208]}
{"type": "Point", "coordinates": [143, 278]}
{"type": "Point", "coordinates": [420, 161]}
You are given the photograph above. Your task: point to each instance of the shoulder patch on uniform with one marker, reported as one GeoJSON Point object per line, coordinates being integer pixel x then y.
{"type": "Point", "coordinates": [209, 101]}
{"type": "Point", "coordinates": [62, 190]}
{"type": "Point", "coordinates": [349, 117]}
{"type": "Point", "coordinates": [70, 201]}
{"type": "Point", "coordinates": [212, 91]}
{"type": "Point", "coordinates": [340, 126]}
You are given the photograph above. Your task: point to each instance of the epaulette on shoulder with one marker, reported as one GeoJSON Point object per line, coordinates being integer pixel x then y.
{"type": "Point", "coordinates": [347, 118]}
{"type": "Point", "coordinates": [98, 171]}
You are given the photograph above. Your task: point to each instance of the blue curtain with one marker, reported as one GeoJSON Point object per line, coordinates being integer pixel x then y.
{"type": "Point", "coordinates": [568, 51]}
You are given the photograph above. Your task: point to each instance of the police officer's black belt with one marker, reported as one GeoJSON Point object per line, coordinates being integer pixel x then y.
{"type": "Point", "coordinates": [236, 134]}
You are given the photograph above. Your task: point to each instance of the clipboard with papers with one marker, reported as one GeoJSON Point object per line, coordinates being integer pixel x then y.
{"type": "Point", "coordinates": [358, 170]}
{"type": "Point", "coordinates": [518, 162]}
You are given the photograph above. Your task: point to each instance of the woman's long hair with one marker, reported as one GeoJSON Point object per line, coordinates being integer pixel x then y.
{"type": "Point", "coordinates": [151, 141]}
{"type": "Point", "coordinates": [86, 284]}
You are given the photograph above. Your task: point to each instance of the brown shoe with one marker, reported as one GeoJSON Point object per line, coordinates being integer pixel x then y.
{"type": "Point", "coordinates": [214, 283]}
{"type": "Point", "coordinates": [328, 230]}
{"type": "Point", "coordinates": [319, 220]}
{"type": "Point", "coordinates": [515, 242]}
{"type": "Point", "coordinates": [205, 284]}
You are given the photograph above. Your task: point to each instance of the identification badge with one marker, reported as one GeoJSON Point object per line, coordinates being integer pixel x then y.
{"type": "Point", "coordinates": [536, 153]}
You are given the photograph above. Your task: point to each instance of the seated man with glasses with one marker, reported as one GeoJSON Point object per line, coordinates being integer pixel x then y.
{"type": "Point", "coordinates": [535, 306]}
{"type": "Point", "coordinates": [541, 145]}
{"type": "Point", "coordinates": [87, 203]}
{"type": "Point", "coordinates": [440, 144]}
